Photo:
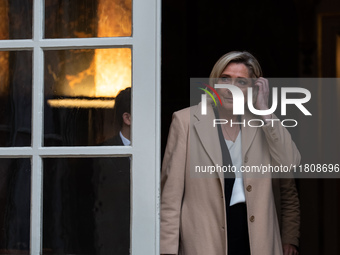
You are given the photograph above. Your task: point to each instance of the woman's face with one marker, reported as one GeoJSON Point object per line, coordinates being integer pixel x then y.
{"type": "Point", "coordinates": [236, 74]}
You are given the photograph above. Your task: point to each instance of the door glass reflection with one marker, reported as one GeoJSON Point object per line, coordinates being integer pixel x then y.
{"type": "Point", "coordinates": [15, 193]}
{"type": "Point", "coordinates": [86, 206]}
{"type": "Point", "coordinates": [16, 19]}
{"type": "Point", "coordinates": [15, 98]}
{"type": "Point", "coordinates": [82, 88]}
{"type": "Point", "coordinates": [87, 18]}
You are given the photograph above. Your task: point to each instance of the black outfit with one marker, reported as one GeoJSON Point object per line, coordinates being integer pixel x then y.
{"type": "Point", "coordinates": [112, 202]}
{"type": "Point", "coordinates": [237, 224]}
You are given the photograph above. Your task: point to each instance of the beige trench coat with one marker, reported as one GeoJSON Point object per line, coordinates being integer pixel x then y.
{"type": "Point", "coordinates": [193, 216]}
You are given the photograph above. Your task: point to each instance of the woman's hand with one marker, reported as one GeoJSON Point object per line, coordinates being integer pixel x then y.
{"type": "Point", "coordinates": [289, 249]}
{"type": "Point", "coordinates": [262, 96]}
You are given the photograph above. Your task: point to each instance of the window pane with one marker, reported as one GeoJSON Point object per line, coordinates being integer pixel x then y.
{"type": "Point", "coordinates": [15, 193]}
{"type": "Point", "coordinates": [15, 98]}
{"type": "Point", "coordinates": [84, 102]}
{"type": "Point", "coordinates": [87, 18]}
{"type": "Point", "coordinates": [86, 207]}
{"type": "Point", "coordinates": [16, 19]}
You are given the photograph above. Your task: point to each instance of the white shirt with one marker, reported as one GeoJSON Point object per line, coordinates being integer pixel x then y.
{"type": "Point", "coordinates": [125, 141]}
{"type": "Point", "coordinates": [235, 150]}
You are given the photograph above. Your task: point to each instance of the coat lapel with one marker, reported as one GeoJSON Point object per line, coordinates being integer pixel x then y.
{"type": "Point", "coordinates": [208, 136]}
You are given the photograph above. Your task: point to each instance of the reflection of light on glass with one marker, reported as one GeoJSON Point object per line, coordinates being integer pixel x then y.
{"type": "Point", "coordinates": [80, 84]}
{"type": "Point", "coordinates": [81, 103]}
{"type": "Point", "coordinates": [113, 66]}
{"type": "Point", "coordinates": [110, 70]}
{"type": "Point", "coordinates": [4, 34]}
{"type": "Point", "coordinates": [4, 72]}
{"type": "Point", "coordinates": [113, 71]}
{"type": "Point", "coordinates": [114, 18]}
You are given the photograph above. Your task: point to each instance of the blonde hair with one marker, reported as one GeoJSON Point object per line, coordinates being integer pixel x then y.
{"type": "Point", "coordinates": [241, 57]}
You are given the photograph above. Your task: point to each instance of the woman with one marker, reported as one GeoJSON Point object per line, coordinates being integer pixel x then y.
{"type": "Point", "coordinates": [212, 216]}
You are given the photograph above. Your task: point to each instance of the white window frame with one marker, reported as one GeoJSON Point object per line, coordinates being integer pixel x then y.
{"type": "Point", "coordinates": [145, 149]}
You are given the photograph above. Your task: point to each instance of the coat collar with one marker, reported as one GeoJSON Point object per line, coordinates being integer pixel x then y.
{"type": "Point", "coordinates": [208, 134]}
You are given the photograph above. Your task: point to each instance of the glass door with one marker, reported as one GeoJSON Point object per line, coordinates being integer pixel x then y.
{"type": "Point", "coordinates": [79, 126]}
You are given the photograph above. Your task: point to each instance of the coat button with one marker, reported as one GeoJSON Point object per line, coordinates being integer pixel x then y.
{"type": "Point", "coordinates": [222, 227]}
{"type": "Point", "coordinates": [245, 159]}
{"type": "Point", "coordinates": [249, 188]}
{"type": "Point", "coordinates": [252, 218]}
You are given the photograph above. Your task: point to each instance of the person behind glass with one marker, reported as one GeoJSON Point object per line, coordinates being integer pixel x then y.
{"type": "Point", "coordinates": [233, 216]}
{"type": "Point", "coordinates": [122, 119]}
{"type": "Point", "coordinates": [112, 182]}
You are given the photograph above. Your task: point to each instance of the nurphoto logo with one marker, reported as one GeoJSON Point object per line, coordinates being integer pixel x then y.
{"type": "Point", "coordinates": [238, 103]}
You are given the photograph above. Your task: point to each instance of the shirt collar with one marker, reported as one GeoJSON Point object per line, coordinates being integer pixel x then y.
{"type": "Point", "coordinates": [125, 141]}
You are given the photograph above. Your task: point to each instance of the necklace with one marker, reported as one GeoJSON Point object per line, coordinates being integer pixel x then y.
{"type": "Point", "coordinates": [234, 134]}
